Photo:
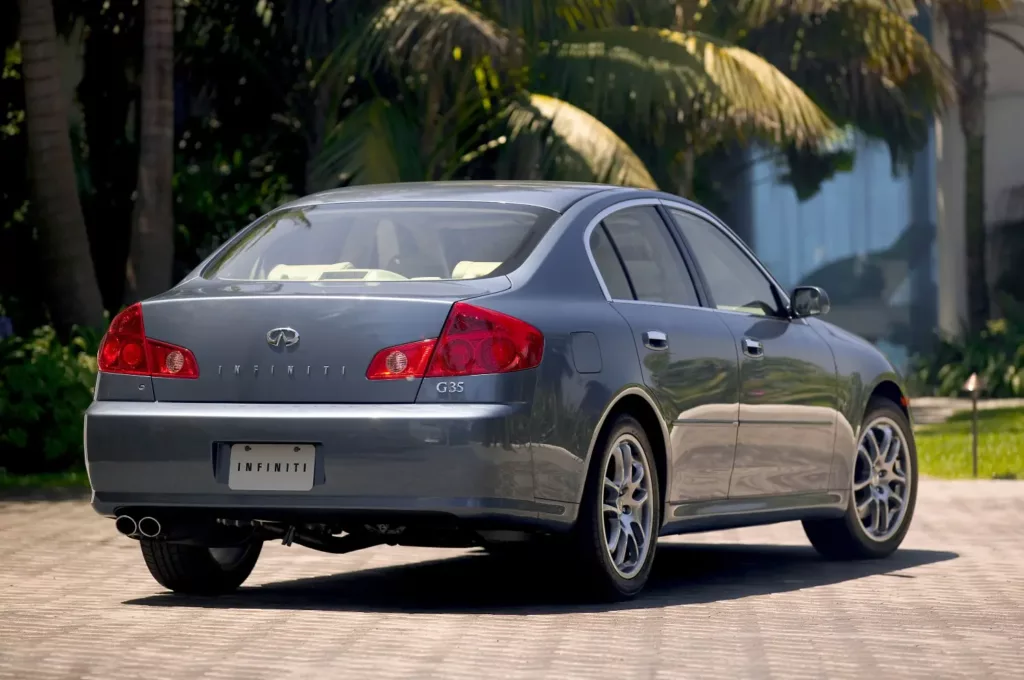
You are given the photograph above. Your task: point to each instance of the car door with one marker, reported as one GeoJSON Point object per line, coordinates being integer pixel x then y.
{"type": "Point", "coordinates": [788, 385]}
{"type": "Point", "coordinates": [688, 358]}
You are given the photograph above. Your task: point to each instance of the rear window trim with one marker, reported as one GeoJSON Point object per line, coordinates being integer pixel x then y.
{"type": "Point", "coordinates": [545, 218]}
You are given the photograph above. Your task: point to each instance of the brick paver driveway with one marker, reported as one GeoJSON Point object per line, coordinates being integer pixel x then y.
{"type": "Point", "coordinates": [76, 601]}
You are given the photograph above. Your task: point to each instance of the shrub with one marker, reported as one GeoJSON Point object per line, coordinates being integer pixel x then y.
{"type": "Point", "coordinates": [45, 387]}
{"type": "Point", "coordinates": [996, 354]}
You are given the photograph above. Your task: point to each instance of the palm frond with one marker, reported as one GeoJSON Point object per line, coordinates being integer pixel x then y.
{"type": "Point", "coordinates": [656, 79]}
{"type": "Point", "coordinates": [375, 143]}
{"type": "Point", "coordinates": [430, 34]}
{"type": "Point", "coordinates": [757, 13]}
{"type": "Point", "coordinates": [538, 20]}
{"type": "Point", "coordinates": [560, 141]}
{"type": "Point", "coordinates": [862, 61]}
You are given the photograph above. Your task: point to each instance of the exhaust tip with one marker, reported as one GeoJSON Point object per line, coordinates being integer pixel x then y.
{"type": "Point", "coordinates": [149, 527]}
{"type": "Point", "coordinates": [126, 525]}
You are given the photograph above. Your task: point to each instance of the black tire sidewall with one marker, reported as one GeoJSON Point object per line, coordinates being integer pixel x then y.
{"type": "Point", "coordinates": [190, 569]}
{"type": "Point", "coordinates": [589, 529]}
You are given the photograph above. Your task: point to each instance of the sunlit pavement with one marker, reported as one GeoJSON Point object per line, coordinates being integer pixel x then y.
{"type": "Point", "coordinates": [76, 601]}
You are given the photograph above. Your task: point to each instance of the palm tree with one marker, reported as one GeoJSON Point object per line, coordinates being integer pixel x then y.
{"type": "Point", "coordinates": [73, 291]}
{"type": "Point", "coordinates": [627, 91]}
{"type": "Point", "coordinates": [151, 256]}
{"type": "Point", "coordinates": [548, 87]}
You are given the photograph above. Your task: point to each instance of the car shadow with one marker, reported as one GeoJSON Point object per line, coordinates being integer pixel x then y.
{"type": "Point", "coordinates": [480, 583]}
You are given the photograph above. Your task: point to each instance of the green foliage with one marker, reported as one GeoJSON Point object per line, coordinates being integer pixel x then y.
{"type": "Point", "coordinates": [220, 193]}
{"type": "Point", "coordinates": [944, 450]}
{"type": "Point", "coordinates": [69, 479]}
{"type": "Point", "coordinates": [996, 354]}
{"type": "Point", "coordinates": [45, 387]}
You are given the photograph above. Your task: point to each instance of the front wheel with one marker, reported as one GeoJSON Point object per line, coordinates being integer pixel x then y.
{"type": "Point", "coordinates": [195, 570]}
{"type": "Point", "coordinates": [883, 490]}
{"type": "Point", "coordinates": [617, 531]}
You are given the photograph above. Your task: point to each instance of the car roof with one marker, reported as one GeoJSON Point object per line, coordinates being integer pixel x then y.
{"type": "Point", "coordinates": [556, 196]}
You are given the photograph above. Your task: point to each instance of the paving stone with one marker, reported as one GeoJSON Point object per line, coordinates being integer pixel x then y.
{"type": "Point", "coordinates": [76, 601]}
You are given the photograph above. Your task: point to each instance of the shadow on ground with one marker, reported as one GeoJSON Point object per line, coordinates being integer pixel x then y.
{"type": "Point", "coordinates": [484, 584]}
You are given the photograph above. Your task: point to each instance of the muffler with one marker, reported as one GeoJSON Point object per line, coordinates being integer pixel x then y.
{"type": "Point", "coordinates": [126, 525]}
{"type": "Point", "coordinates": [149, 527]}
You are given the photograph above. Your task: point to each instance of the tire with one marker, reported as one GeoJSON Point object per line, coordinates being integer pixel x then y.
{"type": "Point", "coordinates": [847, 537]}
{"type": "Point", "coordinates": [601, 578]}
{"type": "Point", "coordinates": [195, 570]}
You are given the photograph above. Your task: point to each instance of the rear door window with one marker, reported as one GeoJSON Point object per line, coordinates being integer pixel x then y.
{"type": "Point", "coordinates": [609, 265]}
{"type": "Point", "coordinates": [654, 265]}
{"type": "Point", "coordinates": [361, 242]}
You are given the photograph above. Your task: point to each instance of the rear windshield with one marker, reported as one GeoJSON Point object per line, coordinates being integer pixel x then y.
{"type": "Point", "coordinates": [383, 243]}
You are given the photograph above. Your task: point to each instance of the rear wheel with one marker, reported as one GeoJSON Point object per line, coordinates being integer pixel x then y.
{"type": "Point", "coordinates": [883, 490]}
{"type": "Point", "coordinates": [617, 531]}
{"type": "Point", "coordinates": [196, 570]}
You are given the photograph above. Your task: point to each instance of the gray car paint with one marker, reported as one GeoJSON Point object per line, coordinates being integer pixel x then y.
{"type": "Point", "coordinates": [510, 449]}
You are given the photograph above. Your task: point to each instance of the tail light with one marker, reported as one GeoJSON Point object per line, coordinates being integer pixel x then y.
{"type": "Point", "coordinates": [125, 349]}
{"type": "Point", "coordinates": [403, 361]}
{"type": "Point", "coordinates": [474, 341]}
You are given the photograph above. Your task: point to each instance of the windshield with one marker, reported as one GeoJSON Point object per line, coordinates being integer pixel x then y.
{"type": "Point", "coordinates": [345, 242]}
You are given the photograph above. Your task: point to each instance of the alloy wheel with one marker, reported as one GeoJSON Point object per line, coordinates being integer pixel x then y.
{"type": "Point", "coordinates": [626, 506]}
{"type": "Point", "coordinates": [882, 479]}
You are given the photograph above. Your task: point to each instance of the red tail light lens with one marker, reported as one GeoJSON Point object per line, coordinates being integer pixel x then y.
{"type": "Point", "coordinates": [125, 349]}
{"type": "Point", "coordinates": [476, 341]}
{"type": "Point", "coordinates": [402, 361]}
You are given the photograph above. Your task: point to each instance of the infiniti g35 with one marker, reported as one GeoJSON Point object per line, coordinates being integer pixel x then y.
{"type": "Point", "coordinates": [517, 366]}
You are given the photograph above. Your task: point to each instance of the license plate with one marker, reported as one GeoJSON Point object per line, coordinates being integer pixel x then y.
{"type": "Point", "coordinates": [271, 467]}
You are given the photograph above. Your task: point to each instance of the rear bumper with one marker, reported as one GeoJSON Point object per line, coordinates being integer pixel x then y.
{"type": "Point", "coordinates": [469, 461]}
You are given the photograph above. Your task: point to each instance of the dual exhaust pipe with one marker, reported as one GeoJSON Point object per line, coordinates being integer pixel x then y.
{"type": "Point", "coordinates": [147, 527]}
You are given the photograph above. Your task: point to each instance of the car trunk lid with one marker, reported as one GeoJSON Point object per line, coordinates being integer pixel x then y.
{"type": "Point", "coordinates": [299, 342]}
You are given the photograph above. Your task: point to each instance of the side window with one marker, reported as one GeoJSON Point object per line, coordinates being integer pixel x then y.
{"type": "Point", "coordinates": [654, 265]}
{"type": "Point", "coordinates": [609, 265]}
{"type": "Point", "coordinates": [735, 282]}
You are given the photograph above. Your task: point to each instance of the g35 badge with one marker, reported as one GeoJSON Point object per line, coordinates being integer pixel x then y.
{"type": "Point", "coordinates": [450, 387]}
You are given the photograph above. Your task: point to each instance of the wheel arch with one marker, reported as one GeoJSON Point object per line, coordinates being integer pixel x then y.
{"type": "Point", "coordinates": [889, 389]}
{"type": "Point", "coordinates": [849, 428]}
{"type": "Point", "coordinates": [637, 403]}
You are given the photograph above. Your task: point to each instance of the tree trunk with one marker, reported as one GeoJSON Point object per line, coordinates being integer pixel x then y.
{"type": "Point", "coordinates": [685, 9]}
{"type": "Point", "coordinates": [967, 24]}
{"type": "Point", "coordinates": [151, 257]}
{"type": "Point", "coordinates": [73, 293]}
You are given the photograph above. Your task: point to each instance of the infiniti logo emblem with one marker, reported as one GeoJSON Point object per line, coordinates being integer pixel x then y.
{"type": "Point", "coordinates": [282, 337]}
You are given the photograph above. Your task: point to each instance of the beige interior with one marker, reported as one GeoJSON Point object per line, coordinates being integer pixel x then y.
{"type": "Point", "coordinates": [305, 272]}
{"type": "Point", "coordinates": [468, 269]}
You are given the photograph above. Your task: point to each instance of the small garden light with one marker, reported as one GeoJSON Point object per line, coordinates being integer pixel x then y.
{"type": "Point", "coordinates": [973, 386]}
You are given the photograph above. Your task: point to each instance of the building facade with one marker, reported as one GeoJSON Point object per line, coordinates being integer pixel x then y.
{"type": "Point", "coordinates": [889, 248]}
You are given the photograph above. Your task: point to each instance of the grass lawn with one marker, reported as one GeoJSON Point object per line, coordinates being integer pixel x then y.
{"type": "Point", "coordinates": [944, 450]}
{"type": "Point", "coordinates": [73, 479]}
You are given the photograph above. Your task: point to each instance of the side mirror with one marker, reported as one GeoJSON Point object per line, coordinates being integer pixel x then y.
{"type": "Point", "coordinates": [809, 301]}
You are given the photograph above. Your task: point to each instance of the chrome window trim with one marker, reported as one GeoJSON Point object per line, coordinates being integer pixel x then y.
{"type": "Point", "coordinates": [640, 202]}
{"type": "Point", "coordinates": [714, 221]}
{"type": "Point", "coordinates": [611, 210]}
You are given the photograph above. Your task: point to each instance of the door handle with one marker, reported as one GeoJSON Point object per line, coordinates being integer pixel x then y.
{"type": "Point", "coordinates": [655, 340]}
{"type": "Point", "coordinates": [753, 348]}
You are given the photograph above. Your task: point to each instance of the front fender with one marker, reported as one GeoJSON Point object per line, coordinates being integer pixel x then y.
{"type": "Point", "coordinates": [861, 371]}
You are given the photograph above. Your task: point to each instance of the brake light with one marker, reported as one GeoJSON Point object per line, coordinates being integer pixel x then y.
{"type": "Point", "coordinates": [477, 341]}
{"type": "Point", "coordinates": [474, 341]}
{"type": "Point", "coordinates": [125, 349]}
